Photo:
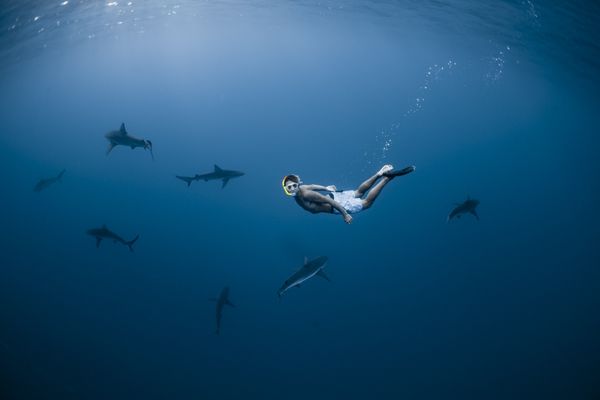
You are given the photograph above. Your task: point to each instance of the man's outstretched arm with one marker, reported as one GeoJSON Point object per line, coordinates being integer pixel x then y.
{"type": "Point", "coordinates": [330, 188]}
{"type": "Point", "coordinates": [319, 198]}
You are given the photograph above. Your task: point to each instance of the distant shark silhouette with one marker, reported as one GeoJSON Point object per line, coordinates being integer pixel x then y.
{"type": "Point", "coordinates": [468, 206]}
{"type": "Point", "coordinates": [307, 271]}
{"type": "Point", "coordinates": [222, 301]}
{"type": "Point", "coordinates": [218, 174]}
{"type": "Point", "coordinates": [122, 138]}
{"type": "Point", "coordinates": [105, 233]}
{"type": "Point", "coordinates": [46, 183]}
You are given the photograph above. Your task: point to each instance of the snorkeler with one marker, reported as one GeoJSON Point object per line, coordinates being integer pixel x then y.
{"type": "Point", "coordinates": [340, 202]}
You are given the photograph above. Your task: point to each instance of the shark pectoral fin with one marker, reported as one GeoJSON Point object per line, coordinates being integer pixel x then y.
{"type": "Point", "coordinates": [230, 304]}
{"type": "Point", "coordinates": [225, 180]}
{"type": "Point", "coordinates": [475, 214]}
{"type": "Point", "coordinates": [98, 240]}
{"type": "Point", "coordinates": [323, 275]}
{"type": "Point", "coordinates": [110, 147]}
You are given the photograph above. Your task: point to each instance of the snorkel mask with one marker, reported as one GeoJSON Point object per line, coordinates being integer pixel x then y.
{"type": "Point", "coordinates": [291, 180]}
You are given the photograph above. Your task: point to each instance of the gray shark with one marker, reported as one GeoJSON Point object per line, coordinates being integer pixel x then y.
{"type": "Point", "coordinates": [122, 138]}
{"type": "Point", "coordinates": [45, 183]}
{"type": "Point", "coordinates": [307, 271]}
{"type": "Point", "coordinates": [468, 206]}
{"type": "Point", "coordinates": [105, 233]}
{"type": "Point", "coordinates": [220, 174]}
{"type": "Point", "coordinates": [187, 179]}
{"type": "Point", "coordinates": [222, 301]}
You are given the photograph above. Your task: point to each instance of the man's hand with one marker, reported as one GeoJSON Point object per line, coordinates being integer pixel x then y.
{"type": "Point", "coordinates": [331, 188]}
{"type": "Point", "coordinates": [348, 218]}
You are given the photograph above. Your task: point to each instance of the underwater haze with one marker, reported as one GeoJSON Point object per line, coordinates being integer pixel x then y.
{"type": "Point", "coordinates": [491, 100]}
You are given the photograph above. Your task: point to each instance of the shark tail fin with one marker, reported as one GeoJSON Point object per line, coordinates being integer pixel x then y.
{"type": "Point", "coordinates": [132, 242]}
{"type": "Point", "coordinates": [148, 145]}
{"type": "Point", "coordinates": [186, 179]}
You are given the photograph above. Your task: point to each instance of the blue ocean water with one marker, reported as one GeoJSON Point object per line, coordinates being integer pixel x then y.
{"type": "Point", "coordinates": [493, 100]}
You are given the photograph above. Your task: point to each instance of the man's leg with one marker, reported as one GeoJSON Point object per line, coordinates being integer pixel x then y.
{"type": "Point", "coordinates": [387, 176]}
{"type": "Point", "coordinates": [366, 185]}
{"type": "Point", "coordinates": [368, 202]}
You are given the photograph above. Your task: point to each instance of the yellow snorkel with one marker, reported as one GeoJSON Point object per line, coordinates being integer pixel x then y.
{"type": "Point", "coordinates": [283, 185]}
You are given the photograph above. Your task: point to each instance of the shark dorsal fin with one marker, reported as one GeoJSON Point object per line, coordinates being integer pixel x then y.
{"type": "Point", "coordinates": [217, 168]}
{"type": "Point", "coordinates": [305, 260]}
{"type": "Point", "coordinates": [122, 129]}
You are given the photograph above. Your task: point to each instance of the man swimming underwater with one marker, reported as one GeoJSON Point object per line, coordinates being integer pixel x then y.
{"type": "Point", "coordinates": [340, 202]}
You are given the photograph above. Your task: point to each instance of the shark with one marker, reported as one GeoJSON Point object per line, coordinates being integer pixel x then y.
{"type": "Point", "coordinates": [105, 233]}
{"type": "Point", "coordinates": [222, 301]}
{"type": "Point", "coordinates": [46, 183]}
{"type": "Point", "coordinates": [308, 270]}
{"type": "Point", "coordinates": [468, 206]}
{"type": "Point", "coordinates": [123, 138]}
{"type": "Point", "coordinates": [219, 174]}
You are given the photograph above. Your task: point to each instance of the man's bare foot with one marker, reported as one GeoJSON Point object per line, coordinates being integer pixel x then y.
{"type": "Point", "coordinates": [384, 169]}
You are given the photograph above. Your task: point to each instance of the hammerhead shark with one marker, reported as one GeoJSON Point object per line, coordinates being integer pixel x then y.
{"type": "Point", "coordinates": [307, 271]}
{"type": "Point", "coordinates": [123, 138]}
{"type": "Point", "coordinates": [468, 206]}
{"type": "Point", "coordinates": [222, 301]}
{"type": "Point", "coordinates": [105, 233]}
{"type": "Point", "coordinates": [218, 174]}
{"type": "Point", "coordinates": [45, 183]}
